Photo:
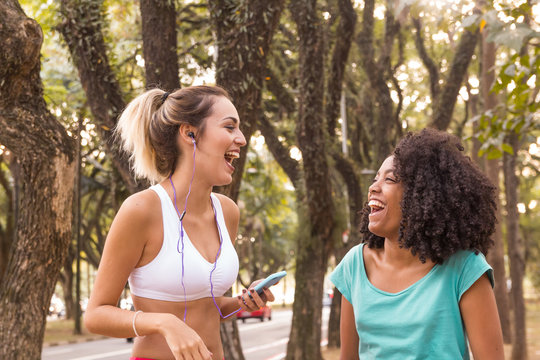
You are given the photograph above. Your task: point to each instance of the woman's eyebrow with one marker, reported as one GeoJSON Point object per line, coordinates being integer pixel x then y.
{"type": "Point", "coordinates": [235, 120]}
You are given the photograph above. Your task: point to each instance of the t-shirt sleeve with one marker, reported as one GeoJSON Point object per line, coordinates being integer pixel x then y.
{"type": "Point", "coordinates": [474, 266]}
{"type": "Point", "coordinates": [343, 275]}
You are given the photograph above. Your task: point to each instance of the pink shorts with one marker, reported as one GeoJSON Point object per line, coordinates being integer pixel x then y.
{"type": "Point", "coordinates": [138, 358]}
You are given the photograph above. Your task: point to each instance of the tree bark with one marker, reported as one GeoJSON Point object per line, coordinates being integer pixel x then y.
{"type": "Point", "coordinates": [159, 43]}
{"type": "Point", "coordinates": [376, 71]}
{"type": "Point", "coordinates": [82, 31]}
{"type": "Point", "coordinates": [313, 246]}
{"type": "Point", "coordinates": [340, 54]}
{"type": "Point", "coordinates": [280, 152]}
{"type": "Point", "coordinates": [443, 108]}
{"type": "Point", "coordinates": [516, 250]}
{"type": "Point", "coordinates": [66, 279]}
{"type": "Point", "coordinates": [496, 255]}
{"type": "Point", "coordinates": [244, 31]}
{"type": "Point", "coordinates": [7, 232]}
{"type": "Point", "coordinates": [47, 167]}
{"type": "Point", "coordinates": [432, 68]}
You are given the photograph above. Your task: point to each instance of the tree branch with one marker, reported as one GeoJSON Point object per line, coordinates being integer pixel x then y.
{"type": "Point", "coordinates": [444, 107]}
{"type": "Point", "coordinates": [82, 31]}
{"type": "Point", "coordinates": [280, 152]}
{"type": "Point", "coordinates": [345, 32]}
{"type": "Point", "coordinates": [432, 68]}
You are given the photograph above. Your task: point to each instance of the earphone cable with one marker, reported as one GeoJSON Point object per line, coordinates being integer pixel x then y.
{"type": "Point", "coordinates": [181, 240]}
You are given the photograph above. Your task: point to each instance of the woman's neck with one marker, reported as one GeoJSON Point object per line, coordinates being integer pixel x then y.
{"type": "Point", "coordinates": [397, 256]}
{"type": "Point", "coordinates": [198, 201]}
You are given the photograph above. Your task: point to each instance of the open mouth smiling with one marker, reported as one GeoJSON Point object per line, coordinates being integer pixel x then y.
{"type": "Point", "coordinates": [375, 206]}
{"type": "Point", "coordinates": [230, 156]}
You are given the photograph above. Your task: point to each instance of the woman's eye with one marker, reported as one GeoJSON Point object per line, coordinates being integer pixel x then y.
{"type": "Point", "coordinates": [374, 180]}
{"type": "Point", "coordinates": [390, 179]}
{"type": "Point", "coordinates": [230, 127]}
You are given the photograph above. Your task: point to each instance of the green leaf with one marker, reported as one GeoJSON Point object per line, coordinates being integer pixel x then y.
{"type": "Point", "coordinates": [524, 60]}
{"type": "Point", "coordinates": [512, 39]}
{"type": "Point", "coordinates": [508, 149]}
{"type": "Point", "coordinates": [493, 21]}
{"type": "Point", "coordinates": [481, 152]}
{"type": "Point", "coordinates": [470, 22]}
{"type": "Point", "coordinates": [510, 70]}
{"type": "Point", "coordinates": [494, 153]}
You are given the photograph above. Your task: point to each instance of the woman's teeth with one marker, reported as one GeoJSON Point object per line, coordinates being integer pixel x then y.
{"type": "Point", "coordinates": [375, 205]}
{"type": "Point", "coordinates": [231, 155]}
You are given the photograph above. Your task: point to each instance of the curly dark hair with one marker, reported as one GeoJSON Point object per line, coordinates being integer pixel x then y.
{"type": "Point", "coordinates": [448, 203]}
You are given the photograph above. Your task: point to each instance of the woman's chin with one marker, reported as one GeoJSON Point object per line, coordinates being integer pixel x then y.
{"type": "Point", "coordinates": [224, 181]}
{"type": "Point", "coordinates": [375, 230]}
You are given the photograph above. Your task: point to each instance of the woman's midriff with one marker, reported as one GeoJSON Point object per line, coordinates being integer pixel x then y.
{"type": "Point", "coordinates": [202, 317]}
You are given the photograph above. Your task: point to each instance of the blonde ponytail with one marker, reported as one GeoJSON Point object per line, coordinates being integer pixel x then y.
{"type": "Point", "coordinates": [134, 127]}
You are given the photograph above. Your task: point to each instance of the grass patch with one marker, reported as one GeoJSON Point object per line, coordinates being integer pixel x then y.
{"type": "Point", "coordinates": [62, 331]}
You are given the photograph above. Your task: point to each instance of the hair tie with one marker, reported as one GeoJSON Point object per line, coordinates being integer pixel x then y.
{"type": "Point", "coordinates": [164, 96]}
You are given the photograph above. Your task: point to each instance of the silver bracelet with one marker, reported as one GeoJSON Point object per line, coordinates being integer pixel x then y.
{"type": "Point", "coordinates": [134, 317]}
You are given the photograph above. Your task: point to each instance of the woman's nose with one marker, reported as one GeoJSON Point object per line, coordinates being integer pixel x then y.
{"type": "Point", "coordinates": [373, 188]}
{"type": "Point", "coordinates": [240, 138]}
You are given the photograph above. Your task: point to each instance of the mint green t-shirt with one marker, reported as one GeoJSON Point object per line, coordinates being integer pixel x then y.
{"type": "Point", "coordinates": [421, 322]}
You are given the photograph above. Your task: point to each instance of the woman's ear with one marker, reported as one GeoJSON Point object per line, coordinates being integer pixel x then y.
{"type": "Point", "coordinates": [187, 133]}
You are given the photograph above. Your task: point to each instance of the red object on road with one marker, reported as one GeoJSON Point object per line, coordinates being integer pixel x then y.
{"type": "Point", "coordinates": [261, 314]}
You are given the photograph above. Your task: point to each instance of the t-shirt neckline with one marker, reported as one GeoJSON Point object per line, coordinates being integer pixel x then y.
{"type": "Point", "coordinates": [386, 293]}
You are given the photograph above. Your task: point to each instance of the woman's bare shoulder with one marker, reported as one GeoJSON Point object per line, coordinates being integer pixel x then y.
{"type": "Point", "coordinates": [228, 205]}
{"type": "Point", "coordinates": [143, 206]}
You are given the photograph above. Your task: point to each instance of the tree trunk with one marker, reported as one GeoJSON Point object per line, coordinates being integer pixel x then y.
{"type": "Point", "coordinates": [280, 153]}
{"type": "Point", "coordinates": [340, 53]}
{"type": "Point", "coordinates": [376, 71]}
{"type": "Point", "coordinates": [516, 250]}
{"type": "Point", "coordinates": [82, 31]}
{"type": "Point", "coordinates": [7, 233]}
{"type": "Point", "coordinates": [496, 255]}
{"type": "Point", "coordinates": [334, 321]}
{"type": "Point", "coordinates": [159, 43]}
{"type": "Point", "coordinates": [432, 68]}
{"type": "Point", "coordinates": [315, 244]}
{"type": "Point", "coordinates": [496, 258]}
{"type": "Point", "coordinates": [244, 33]}
{"type": "Point", "coordinates": [66, 279]}
{"type": "Point", "coordinates": [47, 167]}
{"type": "Point", "coordinates": [444, 107]}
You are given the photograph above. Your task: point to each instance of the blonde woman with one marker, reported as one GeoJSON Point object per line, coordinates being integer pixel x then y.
{"type": "Point", "coordinates": [174, 242]}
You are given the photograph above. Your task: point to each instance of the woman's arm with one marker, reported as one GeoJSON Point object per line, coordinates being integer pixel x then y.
{"type": "Point", "coordinates": [134, 224]}
{"type": "Point", "coordinates": [123, 249]}
{"type": "Point", "coordinates": [479, 312]}
{"type": "Point", "coordinates": [348, 334]}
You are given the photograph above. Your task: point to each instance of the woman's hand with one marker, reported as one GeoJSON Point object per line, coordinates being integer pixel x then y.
{"type": "Point", "coordinates": [183, 341]}
{"type": "Point", "coordinates": [250, 300]}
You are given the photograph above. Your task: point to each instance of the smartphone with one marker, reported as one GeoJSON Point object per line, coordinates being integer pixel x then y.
{"type": "Point", "coordinates": [269, 281]}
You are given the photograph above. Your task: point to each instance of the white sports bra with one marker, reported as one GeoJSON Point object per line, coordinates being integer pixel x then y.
{"type": "Point", "coordinates": [161, 279]}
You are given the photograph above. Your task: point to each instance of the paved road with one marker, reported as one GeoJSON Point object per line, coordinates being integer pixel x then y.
{"type": "Point", "coordinates": [260, 341]}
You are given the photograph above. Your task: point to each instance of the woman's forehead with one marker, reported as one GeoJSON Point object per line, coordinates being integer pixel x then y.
{"type": "Point", "coordinates": [387, 165]}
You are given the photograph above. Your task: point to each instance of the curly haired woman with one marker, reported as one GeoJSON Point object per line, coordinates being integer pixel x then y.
{"type": "Point", "coordinates": [421, 288]}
